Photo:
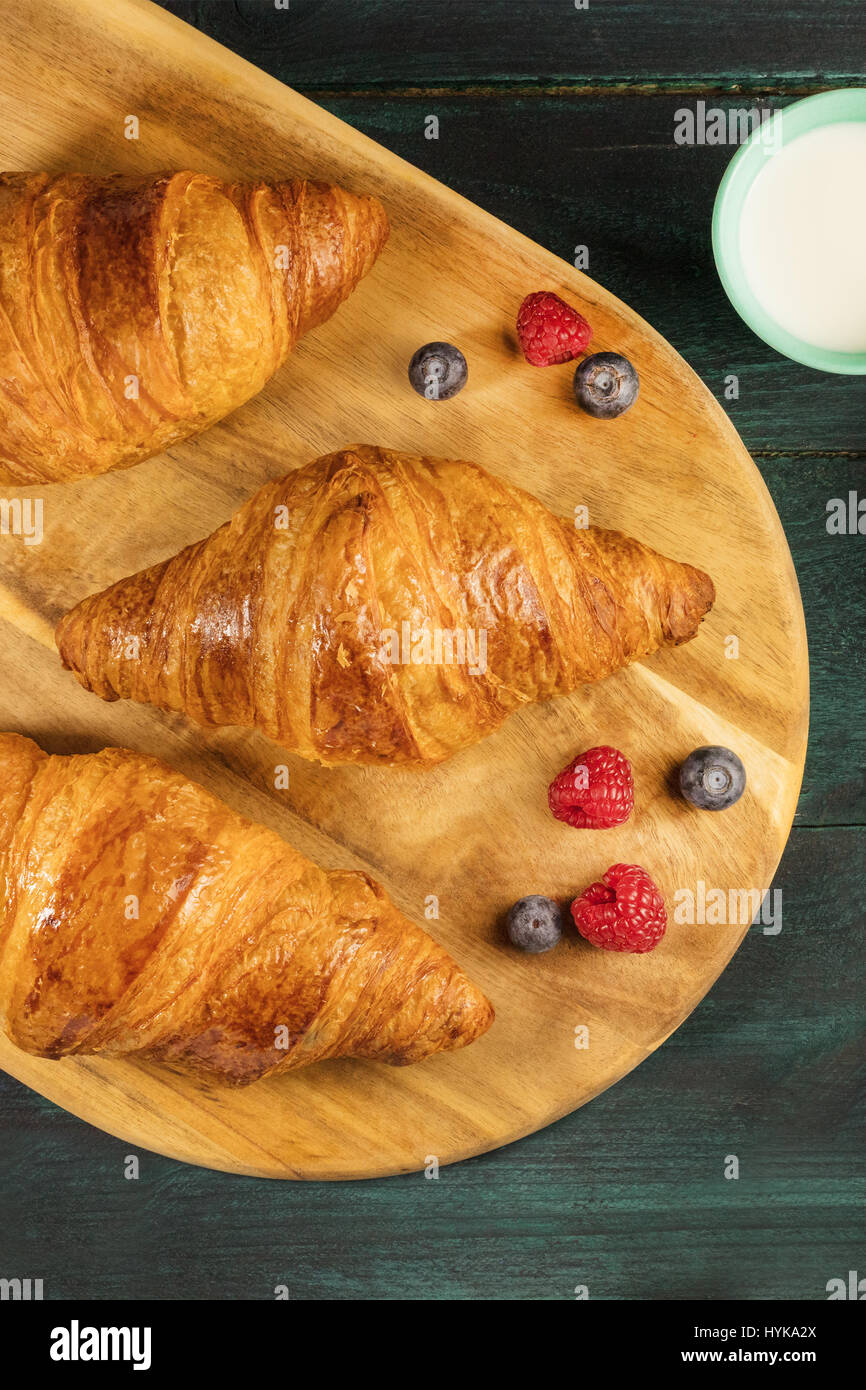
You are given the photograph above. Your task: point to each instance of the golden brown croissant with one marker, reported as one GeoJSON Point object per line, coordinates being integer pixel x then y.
{"type": "Point", "coordinates": [140, 916]}
{"type": "Point", "coordinates": [135, 312]}
{"type": "Point", "coordinates": [305, 615]}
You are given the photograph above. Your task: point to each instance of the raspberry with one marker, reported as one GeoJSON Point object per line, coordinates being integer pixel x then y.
{"type": "Point", "coordinates": [625, 912]}
{"type": "Point", "coordinates": [594, 792]}
{"type": "Point", "coordinates": [550, 331]}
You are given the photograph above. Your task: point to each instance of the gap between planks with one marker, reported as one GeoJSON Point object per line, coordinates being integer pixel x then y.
{"type": "Point", "coordinates": [506, 88]}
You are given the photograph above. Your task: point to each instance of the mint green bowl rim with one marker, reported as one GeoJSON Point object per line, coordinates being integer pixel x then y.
{"type": "Point", "coordinates": [811, 113]}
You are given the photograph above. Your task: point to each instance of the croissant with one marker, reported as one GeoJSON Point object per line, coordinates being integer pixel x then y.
{"type": "Point", "coordinates": [379, 608]}
{"type": "Point", "coordinates": [135, 312]}
{"type": "Point", "coordinates": [141, 917]}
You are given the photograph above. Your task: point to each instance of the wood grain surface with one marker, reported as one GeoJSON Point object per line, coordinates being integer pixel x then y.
{"type": "Point", "coordinates": [380, 43]}
{"type": "Point", "coordinates": [475, 832]}
{"type": "Point", "coordinates": [628, 1193]}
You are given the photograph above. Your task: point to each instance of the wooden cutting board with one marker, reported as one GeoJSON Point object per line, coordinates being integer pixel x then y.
{"type": "Point", "coordinates": [474, 834]}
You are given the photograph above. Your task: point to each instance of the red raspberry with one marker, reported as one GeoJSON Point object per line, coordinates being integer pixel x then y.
{"type": "Point", "coordinates": [625, 912]}
{"type": "Point", "coordinates": [550, 331]}
{"type": "Point", "coordinates": [594, 792]}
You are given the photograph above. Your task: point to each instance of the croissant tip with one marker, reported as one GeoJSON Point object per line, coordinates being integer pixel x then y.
{"type": "Point", "coordinates": [692, 601]}
{"type": "Point", "coordinates": [63, 640]}
{"type": "Point", "coordinates": [477, 1015]}
{"type": "Point", "coordinates": [703, 592]}
{"type": "Point", "coordinates": [347, 232]}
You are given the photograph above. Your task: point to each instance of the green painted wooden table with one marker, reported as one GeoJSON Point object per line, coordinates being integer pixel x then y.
{"type": "Point", "coordinates": [561, 121]}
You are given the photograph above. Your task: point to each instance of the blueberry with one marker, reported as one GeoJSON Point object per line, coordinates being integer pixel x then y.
{"type": "Point", "coordinates": [712, 778]}
{"type": "Point", "coordinates": [534, 924]}
{"type": "Point", "coordinates": [606, 384]}
{"type": "Point", "coordinates": [438, 371]}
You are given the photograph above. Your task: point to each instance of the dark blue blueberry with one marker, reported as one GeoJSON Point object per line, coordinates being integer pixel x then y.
{"type": "Point", "coordinates": [712, 778]}
{"type": "Point", "coordinates": [534, 924]}
{"type": "Point", "coordinates": [605, 385]}
{"type": "Point", "coordinates": [438, 371]}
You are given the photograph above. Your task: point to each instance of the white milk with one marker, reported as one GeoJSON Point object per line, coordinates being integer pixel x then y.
{"type": "Point", "coordinates": [803, 237]}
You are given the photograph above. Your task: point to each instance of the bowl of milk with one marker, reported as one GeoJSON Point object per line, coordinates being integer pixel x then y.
{"type": "Point", "coordinates": [789, 231]}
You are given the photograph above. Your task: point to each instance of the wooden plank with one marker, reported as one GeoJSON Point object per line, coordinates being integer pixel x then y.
{"type": "Point", "coordinates": [627, 1196]}
{"type": "Point", "coordinates": [831, 569]}
{"type": "Point", "coordinates": [475, 832]}
{"type": "Point", "coordinates": [442, 42]}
